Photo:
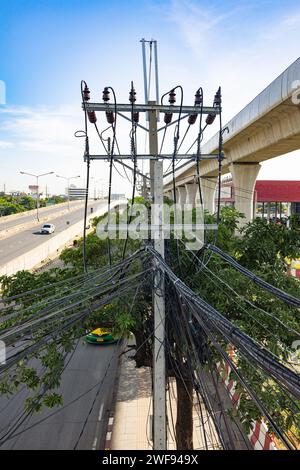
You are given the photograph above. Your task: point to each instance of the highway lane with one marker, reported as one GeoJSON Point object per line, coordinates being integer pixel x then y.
{"type": "Point", "coordinates": [23, 241]}
{"type": "Point", "coordinates": [13, 221]}
{"type": "Point", "coordinates": [90, 367]}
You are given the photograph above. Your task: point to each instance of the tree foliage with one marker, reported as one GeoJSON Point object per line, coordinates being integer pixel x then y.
{"type": "Point", "coordinates": [259, 246]}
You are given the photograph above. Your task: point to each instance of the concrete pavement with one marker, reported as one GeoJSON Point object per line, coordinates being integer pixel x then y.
{"type": "Point", "coordinates": [24, 241]}
{"type": "Point", "coordinates": [22, 218]}
{"type": "Point", "coordinates": [86, 387]}
{"type": "Point", "coordinates": [132, 421]}
{"type": "Point", "coordinates": [133, 410]}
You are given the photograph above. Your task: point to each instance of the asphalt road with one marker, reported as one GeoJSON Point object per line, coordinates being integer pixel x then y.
{"type": "Point", "coordinates": [89, 367]}
{"type": "Point", "coordinates": [9, 222]}
{"type": "Point", "coordinates": [28, 239]}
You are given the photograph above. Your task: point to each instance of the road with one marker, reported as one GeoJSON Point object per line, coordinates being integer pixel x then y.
{"type": "Point", "coordinates": [89, 367]}
{"type": "Point", "coordinates": [27, 239]}
{"type": "Point", "coordinates": [10, 222]}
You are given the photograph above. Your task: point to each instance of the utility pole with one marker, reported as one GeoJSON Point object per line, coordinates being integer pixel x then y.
{"type": "Point", "coordinates": [152, 110]}
{"type": "Point", "coordinates": [159, 365]}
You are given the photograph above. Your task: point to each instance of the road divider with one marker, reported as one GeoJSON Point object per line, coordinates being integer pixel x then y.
{"type": "Point", "coordinates": [33, 211]}
{"type": "Point", "coordinates": [51, 247]}
{"type": "Point", "coordinates": [32, 223]}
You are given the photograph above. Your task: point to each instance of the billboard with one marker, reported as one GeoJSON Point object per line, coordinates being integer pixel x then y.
{"type": "Point", "coordinates": [33, 188]}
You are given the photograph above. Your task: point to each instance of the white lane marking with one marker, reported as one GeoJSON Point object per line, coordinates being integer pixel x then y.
{"type": "Point", "coordinates": [94, 444]}
{"type": "Point", "coordinates": [108, 436]}
{"type": "Point", "coordinates": [99, 419]}
{"type": "Point", "coordinates": [110, 421]}
{"type": "Point", "coordinates": [100, 412]}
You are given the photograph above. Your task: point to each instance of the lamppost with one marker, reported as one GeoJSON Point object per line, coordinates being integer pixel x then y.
{"type": "Point", "coordinates": [68, 178]}
{"type": "Point", "coordinates": [96, 189]}
{"type": "Point", "coordinates": [37, 185]}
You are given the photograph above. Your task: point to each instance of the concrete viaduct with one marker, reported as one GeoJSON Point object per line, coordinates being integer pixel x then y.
{"type": "Point", "coordinates": [267, 127]}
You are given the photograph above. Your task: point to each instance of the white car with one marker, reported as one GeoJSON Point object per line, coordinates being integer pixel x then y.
{"type": "Point", "coordinates": [48, 228]}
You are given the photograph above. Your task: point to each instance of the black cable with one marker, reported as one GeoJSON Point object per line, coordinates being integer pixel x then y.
{"type": "Point", "coordinates": [200, 133]}
{"type": "Point", "coordinates": [98, 391]}
{"type": "Point", "coordinates": [285, 297]}
{"type": "Point", "coordinates": [110, 171]}
{"type": "Point", "coordinates": [75, 318]}
{"type": "Point", "coordinates": [247, 387]}
{"type": "Point", "coordinates": [95, 398]}
{"type": "Point", "coordinates": [176, 139]}
{"type": "Point", "coordinates": [134, 157]}
{"type": "Point", "coordinates": [87, 157]}
{"type": "Point", "coordinates": [221, 130]}
{"type": "Point", "coordinates": [248, 347]}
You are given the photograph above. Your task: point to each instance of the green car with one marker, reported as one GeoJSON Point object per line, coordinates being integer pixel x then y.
{"type": "Point", "coordinates": [100, 336]}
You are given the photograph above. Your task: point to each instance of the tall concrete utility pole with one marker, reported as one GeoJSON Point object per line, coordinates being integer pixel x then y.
{"type": "Point", "coordinates": [151, 110]}
{"type": "Point", "coordinates": [159, 368]}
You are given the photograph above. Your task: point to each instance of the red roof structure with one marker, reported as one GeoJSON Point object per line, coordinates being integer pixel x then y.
{"type": "Point", "coordinates": [266, 191]}
{"type": "Point", "coordinates": [277, 191]}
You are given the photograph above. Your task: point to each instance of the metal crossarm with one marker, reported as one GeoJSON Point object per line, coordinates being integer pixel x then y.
{"type": "Point", "coordinates": [169, 156]}
{"type": "Point", "coordinates": [151, 107]}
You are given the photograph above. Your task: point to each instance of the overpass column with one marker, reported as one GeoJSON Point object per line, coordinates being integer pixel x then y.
{"type": "Point", "coordinates": [191, 191]}
{"type": "Point", "coordinates": [181, 196]}
{"type": "Point", "coordinates": [208, 188]}
{"type": "Point", "coordinates": [244, 177]}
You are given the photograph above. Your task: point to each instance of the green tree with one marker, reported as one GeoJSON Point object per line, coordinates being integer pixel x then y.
{"type": "Point", "coordinates": [241, 301]}
{"type": "Point", "coordinates": [262, 248]}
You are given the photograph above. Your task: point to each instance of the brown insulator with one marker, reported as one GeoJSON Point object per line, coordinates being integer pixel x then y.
{"type": "Point", "coordinates": [86, 93]}
{"type": "Point", "coordinates": [168, 118]}
{"type": "Point", "coordinates": [106, 94]}
{"type": "Point", "coordinates": [172, 97]}
{"type": "Point", "coordinates": [132, 95]}
{"type": "Point", "coordinates": [218, 98]}
{"type": "Point", "coordinates": [192, 119]}
{"type": "Point", "coordinates": [217, 103]}
{"type": "Point", "coordinates": [92, 117]}
{"type": "Point", "coordinates": [210, 119]}
{"type": "Point", "coordinates": [110, 117]}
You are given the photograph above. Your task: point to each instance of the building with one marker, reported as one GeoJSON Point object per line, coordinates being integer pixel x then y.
{"type": "Point", "coordinates": [271, 199]}
{"type": "Point", "coordinates": [76, 193]}
{"type": "Point", "coordinates": [117, 196]}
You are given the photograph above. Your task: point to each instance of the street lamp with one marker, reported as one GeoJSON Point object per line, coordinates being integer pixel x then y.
{"type": "Point", "coordinates": [37, 185]}
{"type": "Point", "coordinates": [68, 178]}
{"type": "Point", "coordinates": [97, 180]}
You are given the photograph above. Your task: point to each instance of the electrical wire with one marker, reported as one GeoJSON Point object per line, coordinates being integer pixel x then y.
{"type": "Point", "coordinates": [88, 163]}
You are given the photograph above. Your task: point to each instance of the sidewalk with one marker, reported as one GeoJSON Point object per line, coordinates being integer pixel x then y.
{"type": "Point", "coordinates": [133, 407]}
{"type": "Point", "coordinates": [132, 428]}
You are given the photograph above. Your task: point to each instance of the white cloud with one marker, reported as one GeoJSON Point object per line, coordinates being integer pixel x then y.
{"type": "Point", "coordinates": [5, 144]}
{"type": "Point", "coordinates": [197, 23]}
{"type": "Point", "coordinates": [42, 139]}
{"type": "Point", "coordinates": [212, 47]}
{"type": "Point", "coordinates": [243, 57]}
{"type": "Point", "coordinates": [42, 130]}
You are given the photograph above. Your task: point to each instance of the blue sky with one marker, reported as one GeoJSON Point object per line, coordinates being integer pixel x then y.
{"type": "Point", "coordinates": [47, 47]}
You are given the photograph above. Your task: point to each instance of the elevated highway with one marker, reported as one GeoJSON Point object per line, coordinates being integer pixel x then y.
{"type": "Point", "coordinates": [267, 127]}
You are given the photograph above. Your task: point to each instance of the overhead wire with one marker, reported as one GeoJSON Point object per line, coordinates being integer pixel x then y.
{"type": "Point", "coordinates": [88, 163]}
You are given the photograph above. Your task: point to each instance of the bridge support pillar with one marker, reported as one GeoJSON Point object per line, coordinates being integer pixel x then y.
{"type": "Point", "coordinates": [208, 189]}
{"type": "Point", "coordinates": [244, 177]}
{"type": "Point", "coordinates": [191, 191]}
{"type": "Point", "coordinates": [181, 196]}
